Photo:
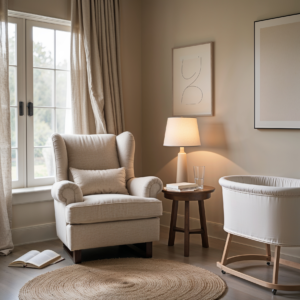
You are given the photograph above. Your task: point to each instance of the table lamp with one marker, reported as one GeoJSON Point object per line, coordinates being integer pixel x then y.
{"type": "Point", "coordinates": [182, 132]}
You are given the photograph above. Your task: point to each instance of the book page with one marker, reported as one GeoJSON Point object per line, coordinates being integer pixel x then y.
{"type": "Point", "coordinates": [27, 256]}
{"type": "Point", "coordinates": [43, 258]}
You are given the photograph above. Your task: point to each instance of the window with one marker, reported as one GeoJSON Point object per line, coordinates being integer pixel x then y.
{"type": "Point", "coordinates": [41, 81]}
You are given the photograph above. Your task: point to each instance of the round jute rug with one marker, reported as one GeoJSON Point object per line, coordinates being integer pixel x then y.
{"type": "Point", "coordinates": [125, 278]}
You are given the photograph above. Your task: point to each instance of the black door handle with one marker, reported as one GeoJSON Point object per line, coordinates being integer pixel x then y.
{"type": "Point", "coordinates": [30, 109]}
{"type": "Point", "coordinates": [21, 108]}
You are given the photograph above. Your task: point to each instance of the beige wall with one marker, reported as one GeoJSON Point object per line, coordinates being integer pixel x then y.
{"type": "Point", "coordinates": [230, 144]}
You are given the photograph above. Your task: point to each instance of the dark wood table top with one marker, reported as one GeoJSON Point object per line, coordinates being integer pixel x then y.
{"type": "Point", "coordinates": [196, 195]}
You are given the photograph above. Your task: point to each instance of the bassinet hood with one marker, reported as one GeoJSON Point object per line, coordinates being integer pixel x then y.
{"type": "Point", "coordinates": [263, 185]}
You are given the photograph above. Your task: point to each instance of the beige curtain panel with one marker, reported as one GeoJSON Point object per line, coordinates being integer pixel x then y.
{"type": "Point", "coordinates": [95, 67]}
{"type": "Point", "coordinates": [6, 245]}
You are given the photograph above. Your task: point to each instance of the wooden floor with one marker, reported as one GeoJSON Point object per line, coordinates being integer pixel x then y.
{"type": "Point", "coordinates": [12, 279]}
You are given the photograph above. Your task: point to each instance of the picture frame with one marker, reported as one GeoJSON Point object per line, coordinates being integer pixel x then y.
{"type": "Point", "coordinates": [193, 91]}
{"type": "Point", "coordinates": [277, 73]}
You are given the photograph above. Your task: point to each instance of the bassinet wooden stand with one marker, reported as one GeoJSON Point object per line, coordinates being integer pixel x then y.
{"type": "Point", "coordinates": [271, 285]}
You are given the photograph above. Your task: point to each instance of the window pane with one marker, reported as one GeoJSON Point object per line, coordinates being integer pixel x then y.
{"type": "Point", "coordinates": [13, 126]}
{"type": "Point", "coordinates": [63, 121]}
{"type": "Point", "coordinates": [13, 85]}
{"type": "Point", "coordinates": [63, 89]}
{"type": "Point", "coordinates": [43, 87]}
{"type": "Point", "coordinates": [63, 50]}
{"type": "Point", "coordinates": [43, 126]}
{"type": "Point", "coordinates": [43, 47]}
{"type": "Point", "coordinates": [43, 162]}
{"type": "Point", "coordinates": [12, 44]}
{"type": "Point", "coordinates": [14, 164]}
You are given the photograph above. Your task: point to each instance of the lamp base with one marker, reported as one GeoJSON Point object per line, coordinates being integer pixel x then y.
{"type": "Point", "coordinates": [181, 166]}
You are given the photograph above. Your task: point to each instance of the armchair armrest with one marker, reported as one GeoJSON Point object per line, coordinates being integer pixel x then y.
{"type": "Point", "coordinates": [66, 192]}
{"type": "Point", "coordinates": [148, 186]}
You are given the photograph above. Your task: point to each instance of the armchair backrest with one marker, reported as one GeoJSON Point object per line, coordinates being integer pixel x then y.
{"type": "Point", "coordinates": [92, 152]}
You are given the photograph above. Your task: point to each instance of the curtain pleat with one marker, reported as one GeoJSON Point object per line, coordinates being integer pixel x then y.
{"type": "Point", "coordinates": [6, 244]}
{"type": "Point", "coordinates": [97, 104]}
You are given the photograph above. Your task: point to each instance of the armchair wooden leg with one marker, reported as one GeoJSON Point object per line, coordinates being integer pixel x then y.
{"type": "Point", "coordinates": [75, 255]}
{"type": "Point", "coordinates": [148, 250]}
{"type": "Point", "coordinates": [144, 249]}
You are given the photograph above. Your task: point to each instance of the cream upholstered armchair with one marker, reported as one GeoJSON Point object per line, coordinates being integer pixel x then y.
{"type": "Point", "coordinates": [100, 220]}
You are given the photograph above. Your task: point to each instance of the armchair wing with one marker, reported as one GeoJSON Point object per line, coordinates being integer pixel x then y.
{"type": "Point", "coordinates": [148, 186]}
{"type": "Point", "coordinates": [66, 192]}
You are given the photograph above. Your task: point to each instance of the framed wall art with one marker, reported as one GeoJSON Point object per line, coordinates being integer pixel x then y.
{"type": "Point", "coordinates": [277, 73]}
{"type": "Point", "coordinates": [193, 80]}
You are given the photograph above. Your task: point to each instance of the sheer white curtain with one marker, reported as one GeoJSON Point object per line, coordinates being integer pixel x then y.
{"type": "Point", "coordinates": [6, 245]}
{"type": "Point", "coordinates": [95, 67]}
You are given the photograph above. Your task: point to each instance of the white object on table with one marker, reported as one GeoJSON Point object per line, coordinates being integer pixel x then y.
{"type": "Point", "coordinates": [182, 132]}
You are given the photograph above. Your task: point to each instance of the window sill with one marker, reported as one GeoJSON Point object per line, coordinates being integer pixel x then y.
{"type": "Point", "coordinates": [32, 189]}
{"type": "Point", "coordinates": [32, 195]}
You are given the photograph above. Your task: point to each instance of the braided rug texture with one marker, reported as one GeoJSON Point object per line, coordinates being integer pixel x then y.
{"type": "Point", "coordinates": [125, 278]}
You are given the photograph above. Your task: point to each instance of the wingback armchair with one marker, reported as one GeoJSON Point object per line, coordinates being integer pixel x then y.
{"type": "Point", "coordinates": [101, 220]}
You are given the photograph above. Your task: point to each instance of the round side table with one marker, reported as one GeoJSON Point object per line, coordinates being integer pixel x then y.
{"type": "Point", "coordinates": [197, 195]}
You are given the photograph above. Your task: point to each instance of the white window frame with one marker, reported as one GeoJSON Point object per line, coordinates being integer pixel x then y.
{"type": "Point", "coordinates": [24, 22]}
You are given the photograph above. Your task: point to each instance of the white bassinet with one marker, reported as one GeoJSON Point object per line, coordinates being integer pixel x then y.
{"type": "Point", "coordinates": [265, 209]}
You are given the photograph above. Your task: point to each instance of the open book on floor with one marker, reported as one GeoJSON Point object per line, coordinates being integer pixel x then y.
{"type": "Point", "coordinates": [36, 259]}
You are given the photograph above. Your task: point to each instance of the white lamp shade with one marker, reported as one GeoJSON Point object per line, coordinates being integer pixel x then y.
{"type": "Point", "coordinates": [182, 132]}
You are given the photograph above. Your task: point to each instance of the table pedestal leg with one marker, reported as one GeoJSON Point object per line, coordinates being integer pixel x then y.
{"type": "Point", "coordinates": [204, 235]}
{"type": "Point", "coordinates": [173, 223]}
{"type": "Point", "coordinates": [187, 229]}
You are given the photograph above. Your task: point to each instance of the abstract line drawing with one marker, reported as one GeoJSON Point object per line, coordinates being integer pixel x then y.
{"type": "Point", "coordinates": [193, 80]}
{"type": "Point", "coordinates": [190, 96]}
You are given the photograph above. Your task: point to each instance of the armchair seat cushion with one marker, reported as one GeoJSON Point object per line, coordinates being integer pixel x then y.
{"type": "Point", "coordinates": [112, 207]}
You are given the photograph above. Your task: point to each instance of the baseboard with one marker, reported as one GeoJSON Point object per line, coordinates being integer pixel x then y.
{"type": "Point", "coordinates": [34, 234]}
{"type": "Point", "coordinates": [215, 230]}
